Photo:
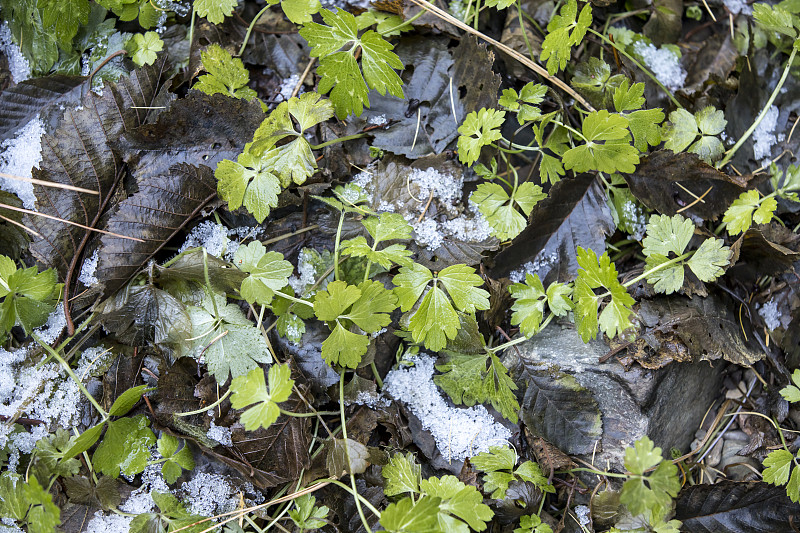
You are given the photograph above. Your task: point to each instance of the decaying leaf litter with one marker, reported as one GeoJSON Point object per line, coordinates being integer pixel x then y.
{"type": "Point", "coordinates": [493, 266]}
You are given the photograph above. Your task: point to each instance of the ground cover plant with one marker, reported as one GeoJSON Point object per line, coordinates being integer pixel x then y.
{"type": "Point", "coordinates": [288, 267]}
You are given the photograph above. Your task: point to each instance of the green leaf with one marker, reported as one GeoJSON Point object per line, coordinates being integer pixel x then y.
{"type": "Point", "coordinates": [332, 302]}
{"type": "Point", "coordinates": [339, 70]}
{"type": "Point", "coordinates": [496, 459]}
{"type": "Point", "coordinates": [388, 226]}
{"type": "Point", "coordinates": [530, 471]}
{"type": "Point", "coordinates": [43, 516]}
{"type": "Point", "coordinates": [593, 274]}
{"type": "Point", "coordinates": [13, 503]}
{"type": "Point", "coordinates": [710, 121]}
{"type": "Point", "coordinates": [63, 18]}
{"type": "Point", "coordinates": [564, 32]}
{"type": "Point", "coordinates": [344, 348]}
{"type": "Point", "coordinates": [532, 524]}
{"type": "Point", "coordinates": [667, 235]}
{"type": "Point", "coordinates": [226, 74]}
{"type": "Point", "coordinates": [462, 285]}
{"type": "Point", "coordinates": [402, 475]}
{"type": "Point", "coordinates": [681, 130]}
{"type": "Point", "coordinates": [177, 460]}
{"type": "Point", "coordinates": [406, 516]}
{"type": "Point", "coordinates": [709, 260]}
{"type": "Point", "coordinates": [774, 18]}
{"type": "Point", "coordinates": [300, 11]}
{"type": "Point", "coordinates": [628, 97]}
{"type": "Point", "coordinates": [460, 501]}
{"type": "Point", "coordinates": [269, 272]}
{"type": "Point", "coordinates": [30, 296]}
{"type": "Point", "coordinates": [786, 184]}
{"type": "Point", "coordinates": [479, 129]}
{"type": "Point", "coordinates": [666, 280]}
{"type": "Point", "coordinates": [615, 154]}
{"type": "Point", "coordinates": [145, 48]}
{"type": "Point", "coordinates": [468, 381]}
{"type": "Point", "coordinates": [251, 389]}
{"type": "Point", "coordinates": [498, 208]}
{"type": "Point", "coordinates": [370, 311]}
{"type": "Point", "coordinates": [410, 283]}
{"type": "Point", "coordinates": [777, 466]}
{"type": "Point", "coordinates": [645, 492]}
{"type": "Point", "coordinates": [85, 441]}
{"type": "Point", "coordinates": [230, 343]}
{"type": "Point", "coordinates": [435, 320]}
{"type": "Point", "coordinates": [530, 299]}
{"type": "Point", "coordinates": [791, 393]}
{"type": "Point", "coordinates": [125, 447]}
{"type": "Point", "coordinates": [215, 10]}
{"type": "Point", "coordinates": [127, 400]}
{"type": "Point", "coordinates": [644, 126]}
{"type": "Point", "coordinates": [251, 182]}
{"type": "Point", "coordinates": [747, 208]}
{"type": "Point", "coordinates": [307, 515]}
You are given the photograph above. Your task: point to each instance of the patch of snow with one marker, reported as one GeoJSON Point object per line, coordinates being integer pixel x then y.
{"type": "Point", "coordinates": [108, 523]}
{"type": "Point", "coordinates": [54, 326]}
{"type": "Point", "coordinates": [428, 234]}
{"type": "Point", "coordinates": [220, 434]}
{"type": "Point", "coordinates": [538, 266]}
{"type": "Point", "coordinates": [738, 6]}
{"type": "Point", "coordinates": [445, 187]}
{"type": "Point", "coordinates": [288, 85]}
{"type": "Point", "coordinates": [764, 137]}
{"type": "Point", "coordinates": [209, 235]}
{"type": "Point", "coordinates": [17, 63]}
{"type": "Point", "coordinates": [378, 120]}
{"type": "Point", "coordinates": [88, 270]}
{"type": "Point", "coordinates": [212, 494]}
{"type": "Point", "coordinates": [583, 513]}
{"type": "Point", "coordinates": [637, 219]}
{"type": "Point", "coordinates": [306, 273]}
{"type": "Point", "coordinates": [18, 156]}
{"type": "Point", "coordinates": [663, 63]}
{"type": "Point", "coordinates": [459, 432]}
{"type": "Point", "coordinates": [469, 229]}
{"type": "Point", "coordinates": [771, 314]}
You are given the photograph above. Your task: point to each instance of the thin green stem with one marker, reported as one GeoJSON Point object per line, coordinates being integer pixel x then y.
{"type": "Point", "coordinates": [347, 452]}
{"type": "Point", "coordinates": [656, 268]}
{"type": "Point", "coordinates": [571, 129]}
{"type": "Point", "coordinates": [250, 28]}
{"type": "Point", "coordinates": [375, 373]}
{"type": "Point", "coordinates": [336, 247]}
{"type": "Point", "coordinates": [730, 153]}
{"type": "Point", "coordinates": [639, 66]}
{"type": "Point", "coordinates": [522, 29]}
{"type": "Point", "coordinates": [296, 299]}
{"type": "Point", "coordinates": [403, 24]}
{"type": "Point", "coordinates": [338, 140]}
{"type": "Point", "coordinates": [191, 29]}
{"type": "Point", "coordinates": [597, 472]}
{"type": "Point", "coordinates": [509, 344]}
{"type": "Point", "coordinates": [206, 408]}
{"type": "Point", "coordinates": [307, 415]}
{"type": "Point", "coordinates": [72, 376]}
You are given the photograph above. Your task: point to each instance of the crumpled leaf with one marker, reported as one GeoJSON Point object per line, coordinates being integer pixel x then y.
{"type": "Point", "coordinates": [560, 410]}
{"type": "Point", "coordinates": [736, 508]}
{"type": "Point", "coordinates": [161, 208]}
{"type": "Point", "coordinates": [708, 327]}
{"type": "Point", "coordinates": [655, 184]}
{"type": "Point", "coordinates": [428, 95]}
{"type": "Point", "coordinates": [37, 96]}
{"type": "Point", "coordinates": [575, 213]}
{"type": "Point", "coordinates": [80, 154]}
{"type": "Point", "coordinates": [144, 314]}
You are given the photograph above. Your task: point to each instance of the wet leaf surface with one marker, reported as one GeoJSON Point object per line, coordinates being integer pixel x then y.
{"type": "Point", "coordinates": [668, 182]}
{"type": "Point", "coordinates": [80, 154]}
{"type": "Point", "coordinates": [21, 103]}
{"type": "Point", "coordinates": [574, 214]}
{"type": "Point", "coordinates": [736, 507]}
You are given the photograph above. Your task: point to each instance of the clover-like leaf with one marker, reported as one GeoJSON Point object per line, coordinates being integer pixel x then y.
{"type": "Point", "coordinates": [269, 272]}
{"type": "Point", "coordinates": [479, 129]}
{"type": "Point", "coordinates": [251, 389]}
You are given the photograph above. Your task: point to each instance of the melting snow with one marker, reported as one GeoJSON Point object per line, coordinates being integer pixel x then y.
{"type": "Point", "coordinates": [220, 434]}
{"type": "Point", "coordinates": [459, 432]}
{"type": "Point", "coordinates": [764, 137]}
{"type": "Point", "coordinates": [17, 64]}
{"type": "Point", "coordinates": [18, 156]}
{"type": "Point", "coordinates": [88, 270]}
{"type": "Point", "coordinates": [663, 63]}
{"type": "Point", "coordinates": [210, 235]}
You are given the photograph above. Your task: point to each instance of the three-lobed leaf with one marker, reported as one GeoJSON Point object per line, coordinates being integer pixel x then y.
{"type": "Point", "coordinates": [251, 389]}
